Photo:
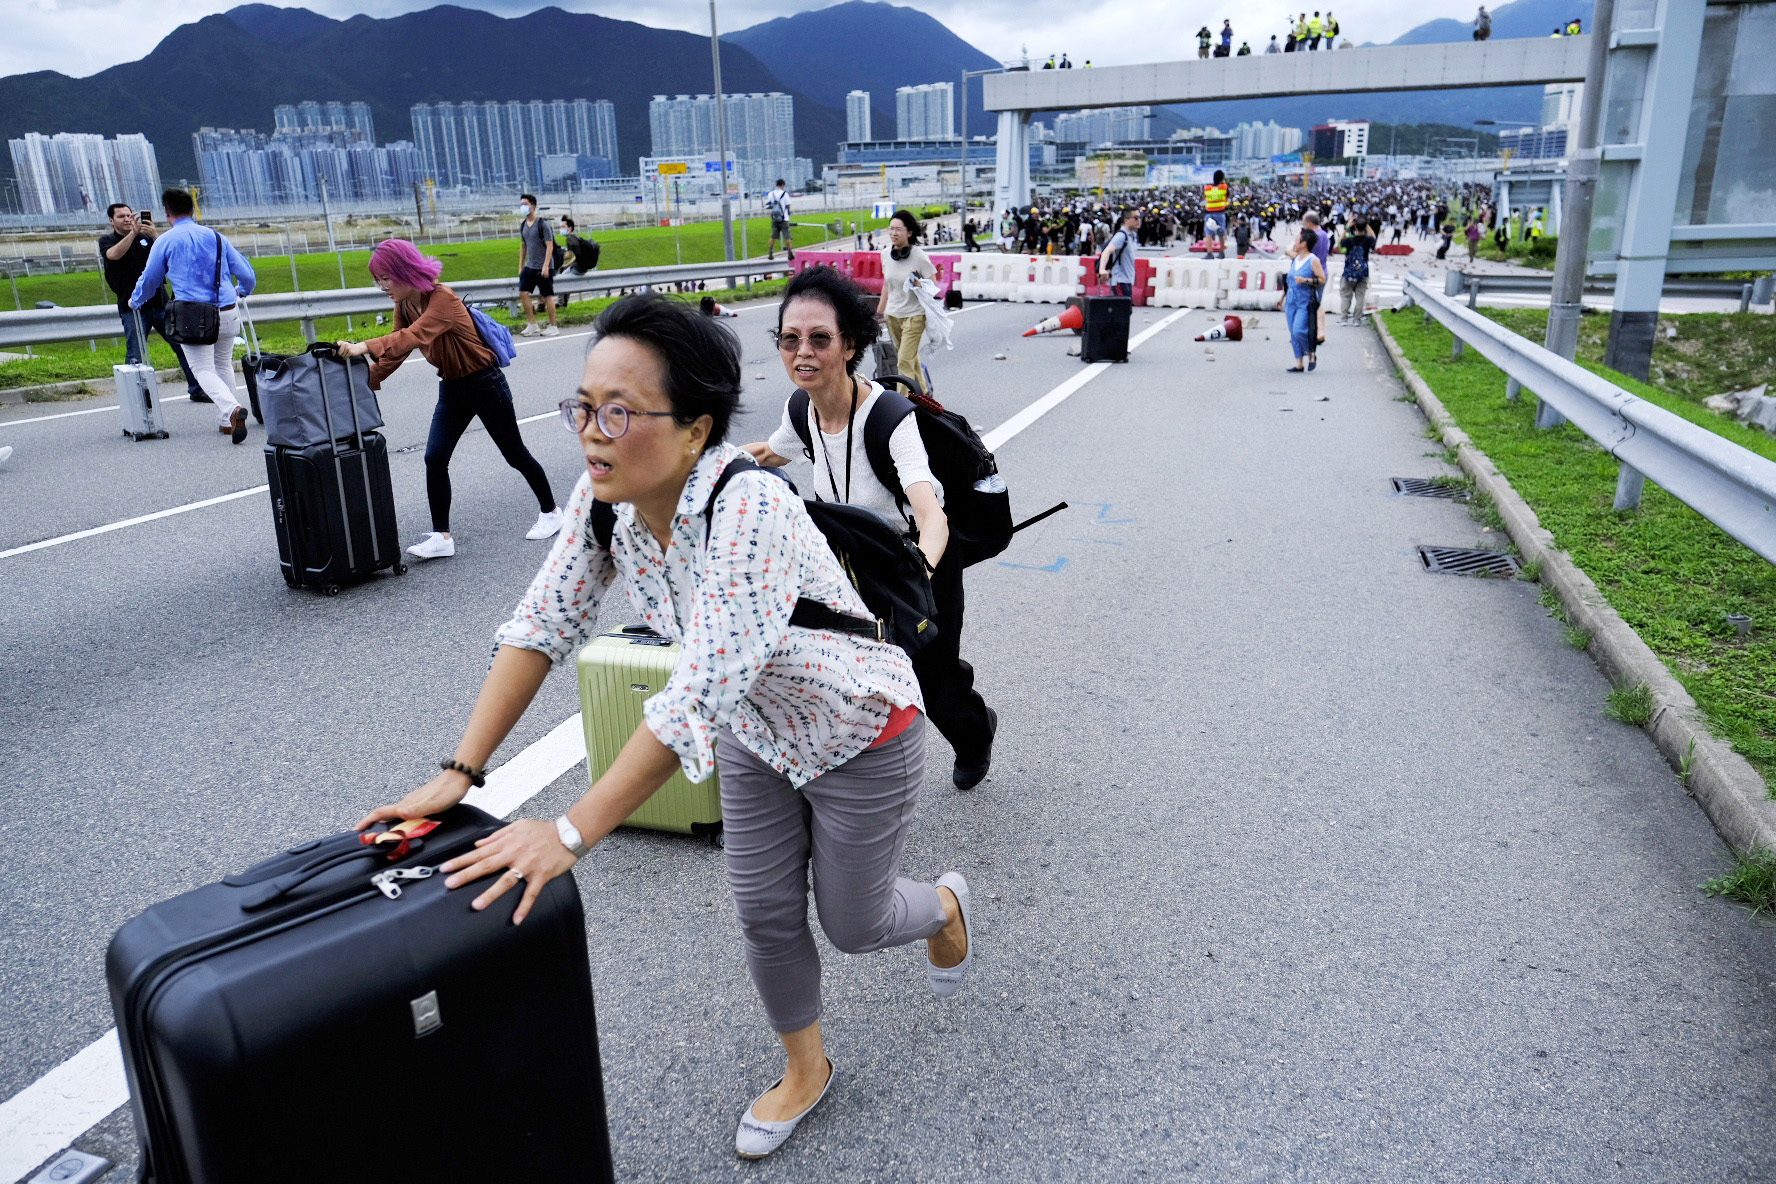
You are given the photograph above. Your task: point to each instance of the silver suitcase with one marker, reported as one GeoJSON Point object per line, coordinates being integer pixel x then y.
{"type": "Point", "coordinates": [138, 396]}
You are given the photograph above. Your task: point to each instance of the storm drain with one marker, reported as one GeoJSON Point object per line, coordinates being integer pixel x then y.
{"type": "Point", "coordinates": [1464, 561]}
{"type": "Point", "coordinates": [1421, 487]}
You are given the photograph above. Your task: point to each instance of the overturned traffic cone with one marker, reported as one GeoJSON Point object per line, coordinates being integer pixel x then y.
{"type": "Point", "coordinates": [1073, 318]}
{"type": "Point", "coordinates": [1229, 328]}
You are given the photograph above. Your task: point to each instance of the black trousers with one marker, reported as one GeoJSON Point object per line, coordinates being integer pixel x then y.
{"type": "Point", "coordinates": [951, 702]}
{"type": "Point", "coordinates": [460, 401]}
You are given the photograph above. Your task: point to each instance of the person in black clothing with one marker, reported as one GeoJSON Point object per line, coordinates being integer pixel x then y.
{"type": "Point", "coordinates": [123, 252]}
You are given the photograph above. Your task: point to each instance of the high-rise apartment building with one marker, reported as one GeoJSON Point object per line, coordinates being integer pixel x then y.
{"type": "Point", "coordinates": [502, 145]}
{"type": "Point", "coordinates": [857, 117]}
{"type": "Point", "coordinates": [73, 172]}
{"type": "Point", "coordinates": [1261, 141]}
{"type": "Point", "coordinates": [244, 168]}
{"type": "Point", "coordinates": [761, 135]}
{"type": "Point", "coordinates": [311, 116]}
{"type": "Point", "coordinates": [1105, 125]}
{"type": "Point", "coordinates": [925, 112]}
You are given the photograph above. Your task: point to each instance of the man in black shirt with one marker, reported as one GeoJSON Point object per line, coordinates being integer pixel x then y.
{"type": "Point", "coordinates": [124, 253]}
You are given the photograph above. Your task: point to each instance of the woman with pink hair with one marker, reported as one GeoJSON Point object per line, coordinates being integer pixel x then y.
{"type": "Point", "coordinates": [431, 318]}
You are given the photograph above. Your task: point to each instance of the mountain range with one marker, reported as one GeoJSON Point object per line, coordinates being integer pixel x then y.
{"type": "Point", "coordinates": [231, 69]}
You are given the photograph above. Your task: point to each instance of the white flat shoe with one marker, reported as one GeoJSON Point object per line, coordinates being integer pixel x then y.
{"type": "Point", "coordinates": [947, 980]}
{"type": "Point", "coordinates": [546, 525]}
{"type": "Point", "coordinates": [433, 546]}
{"type": "Point", "coordinates": [757, 1138]}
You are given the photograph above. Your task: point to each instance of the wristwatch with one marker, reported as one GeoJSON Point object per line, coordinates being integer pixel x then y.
{"type": "Point", "coordinates": [570, 836]}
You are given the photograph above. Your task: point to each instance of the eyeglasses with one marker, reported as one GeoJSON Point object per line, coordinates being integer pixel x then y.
{"type": "Point", "coordinates": [789, 343]}
{"type": "Point", "coordinates": [613, 418]}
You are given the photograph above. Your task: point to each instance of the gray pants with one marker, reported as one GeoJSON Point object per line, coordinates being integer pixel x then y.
{"type": "Point", "coordinates": [850, 825]}
{"type": "Point", "coordinates": [1354, 291]}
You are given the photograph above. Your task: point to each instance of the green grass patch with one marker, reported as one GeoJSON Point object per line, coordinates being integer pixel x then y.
{"type": "Point", "coordinates": [1694, 355]}
{"type": "Point", "coordinates": [1751, 882]}
{"type": "Point", "coordinates": [1579, 639]}
{"type": "Point", "coordinates": [1670, 573]}
{"type": "Point", "coordinates": [1630, 705]}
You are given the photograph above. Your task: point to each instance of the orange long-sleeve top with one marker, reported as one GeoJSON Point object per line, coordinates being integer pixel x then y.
{"type": "Point", "coordinates": [438, 325]}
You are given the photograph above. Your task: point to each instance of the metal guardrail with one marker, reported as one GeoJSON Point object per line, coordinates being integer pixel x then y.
{"type": "Point", "coordinates": [1474, 283]}
{"type": "Point", "coordinates": [1732, 487]}
{"type": "Point", "coordinates": [41, 325]}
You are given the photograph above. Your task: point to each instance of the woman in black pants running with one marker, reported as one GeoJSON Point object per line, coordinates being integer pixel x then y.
{"type": "Point", "coordinates": [431, 318]}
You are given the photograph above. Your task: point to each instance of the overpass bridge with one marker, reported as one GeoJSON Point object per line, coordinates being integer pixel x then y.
{"type": "Point", "coordinates": [1018, 94]}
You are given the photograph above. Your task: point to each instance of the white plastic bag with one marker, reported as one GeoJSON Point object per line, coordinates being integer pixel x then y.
{"type": "Point", "coordinates": [937, 318]}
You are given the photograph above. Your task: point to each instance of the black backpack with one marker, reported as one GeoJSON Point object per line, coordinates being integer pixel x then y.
{"type": "Point", "coordinates": [585, 253]}
{"type": "Point", "coordinates": [887, 569]}
{"type": "Point", "coordinates": [976, 500]}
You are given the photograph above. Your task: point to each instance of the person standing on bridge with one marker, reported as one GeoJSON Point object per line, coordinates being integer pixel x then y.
{"type": "Point", "coordinates": [1204, 39]}
{"type": "Point", "coordinates": [431, 318]}
{"type": "Point", "coordinates": [817, 729]}
{"type": "Point", "coordinates": [1482, 24]}
{"type": "Point", "coordinates": [1226, 39]}
{"type": "Point", "coordinates": [1331, 29]}
{"type": "Point", "coordinates": [1314, 28]}
{"type": "Point", "coordinates": [204, 268]}
{"type": "Point", "coordinates": [1273, 47]}
{"type": "Point", "coordinates": [1299, 302]}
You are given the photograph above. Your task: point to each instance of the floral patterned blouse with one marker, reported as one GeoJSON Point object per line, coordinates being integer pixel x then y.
{"type": "Point", "coordinates": [802, 700]}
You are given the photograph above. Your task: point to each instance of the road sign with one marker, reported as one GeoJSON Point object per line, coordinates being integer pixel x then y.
{"type": "Point", "coordinates": [671, 166]}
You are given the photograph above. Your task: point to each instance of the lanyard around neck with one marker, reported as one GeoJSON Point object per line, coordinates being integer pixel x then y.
{"type": "Point", "coordinates": [850, 428]}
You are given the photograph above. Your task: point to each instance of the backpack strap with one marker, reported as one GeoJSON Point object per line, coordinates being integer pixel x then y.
{"type": "Point", "coordinates": [884, 419]}
{"type": "Point", "coordinates": [799, 409]}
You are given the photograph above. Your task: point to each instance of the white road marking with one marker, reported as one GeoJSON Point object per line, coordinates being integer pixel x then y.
{"type": "Point", "coordinates": [96, 410]}
{"type": "Point", "coordinates": [137, 521]}
{"type": "Point", "coordinates": [76, 1095]}
{"type": "Point", "coordinates": [999, 436]}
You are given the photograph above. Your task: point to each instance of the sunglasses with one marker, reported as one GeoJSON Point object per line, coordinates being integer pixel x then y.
{"type": "Point", "coordinates": [613, 418]}
{"type": "Point", "coordinates": [789, 343]}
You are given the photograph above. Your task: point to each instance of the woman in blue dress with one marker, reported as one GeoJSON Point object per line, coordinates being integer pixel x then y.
{"type": "Point", "coordinates": [1305, 276]}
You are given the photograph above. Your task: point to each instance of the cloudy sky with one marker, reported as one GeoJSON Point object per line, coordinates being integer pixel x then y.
{"type": "Point", "coordinates": [82, 37]}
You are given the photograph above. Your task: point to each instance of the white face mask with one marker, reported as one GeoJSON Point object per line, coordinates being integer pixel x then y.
{"type": "Point", "coordinates": [523, 209]}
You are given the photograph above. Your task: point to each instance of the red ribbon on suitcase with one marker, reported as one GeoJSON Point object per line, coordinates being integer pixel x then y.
{"type": "Point", "coordinates": [400, 836]}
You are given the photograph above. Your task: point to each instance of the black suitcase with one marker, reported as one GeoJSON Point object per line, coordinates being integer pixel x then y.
{"type": "Point", "coordinates": [334, 506]}
{"type": "Point", "coordinates": [1106, 329]}
{"type": "Point", "coordinates": [334, 1015]}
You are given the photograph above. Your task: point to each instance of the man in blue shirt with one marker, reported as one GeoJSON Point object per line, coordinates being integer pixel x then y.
{"type": "Point", "coordinates": [1116, 265]}
{"type": "Point", "coordinates": [186, 253]}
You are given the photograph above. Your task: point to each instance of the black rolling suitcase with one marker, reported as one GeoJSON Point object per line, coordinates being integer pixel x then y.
{"type": "Point", "coordinates": [332, 499]}
{"type": "Point", "coordinates": [334, 1015]}
{"type": "Point", "coordinates": [1106, 329]}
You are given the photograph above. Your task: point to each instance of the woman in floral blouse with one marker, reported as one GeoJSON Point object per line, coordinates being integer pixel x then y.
{"type": "Point", "coordinates": [822, 752]}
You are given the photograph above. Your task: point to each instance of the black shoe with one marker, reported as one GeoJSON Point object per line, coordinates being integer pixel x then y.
{"type": "Point", "coordinates": [238, 424]}
{"type": "Point", "coordinates": [967, 776]}
{"type": "Point", "coordinates": [200, 397]}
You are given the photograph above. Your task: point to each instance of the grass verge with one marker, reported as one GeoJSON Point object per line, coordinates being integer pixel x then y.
{"type": "Point", "coordinates": [1670, 573]}
{"type": "Point", "coordinates": [1751, 882]}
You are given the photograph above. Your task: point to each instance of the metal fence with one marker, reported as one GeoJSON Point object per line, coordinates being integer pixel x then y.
{"type": "Point", "coordinates": [42, 325]}
{"type": "Point", "coordinates": [1473, 284]}
{"type": "Point", "coordinates": [1730, 486]}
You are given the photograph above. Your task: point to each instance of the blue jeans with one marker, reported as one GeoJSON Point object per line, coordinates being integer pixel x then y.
{"type": "Point", "coordinates": [135, 350]}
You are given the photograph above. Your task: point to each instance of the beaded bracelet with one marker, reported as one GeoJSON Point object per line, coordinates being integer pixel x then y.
{"type": "Point", "coordinates": [477, 777]}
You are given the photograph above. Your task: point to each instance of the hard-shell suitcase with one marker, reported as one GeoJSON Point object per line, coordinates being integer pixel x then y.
{"type": "Point", "coordinates": [333, 1014]}
{"type": "Point", "coordinates": [138, 395]}
{"type": "Point", "coordinates": [619, 671]}
{"type": "Point", "coordinates": [250, 364]}
{"type": "Point", "coordinates": [334, 508]}
{"type": "Point", "coordinates": [1106, 329]}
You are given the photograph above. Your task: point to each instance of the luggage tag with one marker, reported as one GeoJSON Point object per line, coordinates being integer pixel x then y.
{"type": "Point", "coordinates": [400, 837]}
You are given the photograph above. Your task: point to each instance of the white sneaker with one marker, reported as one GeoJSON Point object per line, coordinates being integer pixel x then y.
{"type": "Point", "coordinates": [757, 1138]}
{"type": "Point", "coordinates": [530, 330]}
{"type": "Point", "coordinates": [433, 546]}
{"type": "Point", "coordinates": [5, 454]}
{"type": "Point", "coordinates": [546, 525]}
{"type": "Point", "coordinates": [552, 331]}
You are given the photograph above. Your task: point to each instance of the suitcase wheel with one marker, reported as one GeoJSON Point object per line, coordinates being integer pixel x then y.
{"type": "Point", "coordinates": [291, 580]}
{"type": "Point", "coordinates": [330, 590]}
{"type": "Point", "coordinates": [399, 569]}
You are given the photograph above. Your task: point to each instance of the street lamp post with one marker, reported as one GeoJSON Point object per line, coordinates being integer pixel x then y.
{"type": "Point", "coordinates": [962, 168]}
{"type": "Point", "coordinates": [721, 138]}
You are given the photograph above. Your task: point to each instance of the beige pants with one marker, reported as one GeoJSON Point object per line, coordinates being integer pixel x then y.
{"type": "Point", "coordinates": [907, 333]}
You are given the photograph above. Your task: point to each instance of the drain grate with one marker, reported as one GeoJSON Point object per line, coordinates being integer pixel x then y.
{"type": "Point", "coordinates": [1421, 487]}
{"type": "Point", "coordinates": [1465, 561]}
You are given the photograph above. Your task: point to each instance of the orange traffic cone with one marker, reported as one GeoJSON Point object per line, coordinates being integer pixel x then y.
{"type": "Point", "coordinates": [1230, 329]}
{"type": "Point", "coordinates": [1073, 318]}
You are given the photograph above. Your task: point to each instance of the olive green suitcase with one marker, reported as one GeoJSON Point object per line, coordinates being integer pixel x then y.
{"type": "Point", "coordinates": [619, 671]}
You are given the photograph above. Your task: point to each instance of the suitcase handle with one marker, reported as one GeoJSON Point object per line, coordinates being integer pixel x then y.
{"type": "Point", "coordinates": [284, 885]}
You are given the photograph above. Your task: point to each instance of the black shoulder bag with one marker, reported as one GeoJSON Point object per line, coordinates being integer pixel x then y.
{"type": "Point", "coordinates": [197, 322]}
